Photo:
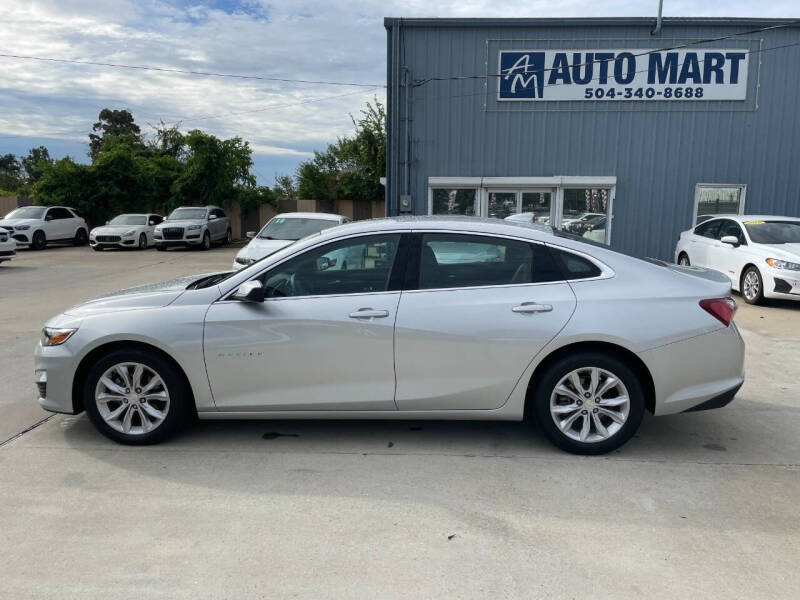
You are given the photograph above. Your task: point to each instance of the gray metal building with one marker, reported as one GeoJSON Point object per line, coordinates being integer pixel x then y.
{"type": "Point", "coordinates": [600, 126]}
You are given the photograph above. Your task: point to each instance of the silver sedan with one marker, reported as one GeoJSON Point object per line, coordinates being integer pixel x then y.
{"type": "Point", "coordinates": [427, 318]}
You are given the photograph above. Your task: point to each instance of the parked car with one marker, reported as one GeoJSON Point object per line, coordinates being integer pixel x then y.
{"type": "Point", "coordinates": [581, 337]}
{"type": "Point", "coordinates": [8, 246]}
{"type": "Point", "coordinates": [193, 226]}
{"type": "Point", "coordinates": [760, 254]}
{"type": "Point", "coordinates": [37, 226]}
{"type": "Point", "coordinates": [595, 230]}
{"type": "Point", "coordinates": [282, 230]}
{"type": "Point", "coordinates": [125, 231]}
{"type": "Point", "coordinates": [577, 223]}
{"type": "Point", "coordinates": [530, 217]}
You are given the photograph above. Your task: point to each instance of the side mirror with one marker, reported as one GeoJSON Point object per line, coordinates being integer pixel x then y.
{"type": "Point", "coordinates": [250, 291]}
{"type": "Point", "coordinates": [731, 240]}
{"type": "Point", "coordinates": [212, 217]}
{"type": "Point", "coordinates": [107, 222]}
{"type": "Point", "coordinates": [48, 218]}
{"type": "Point", "coordinates": [251, 235]}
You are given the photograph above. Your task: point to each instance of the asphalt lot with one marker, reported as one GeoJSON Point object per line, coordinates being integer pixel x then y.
{"type": "Point", "coordinates": [701, 505]}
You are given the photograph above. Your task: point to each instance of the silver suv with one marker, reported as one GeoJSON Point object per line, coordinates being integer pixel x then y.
{"type": "Point", "coordinates": [193, 226]}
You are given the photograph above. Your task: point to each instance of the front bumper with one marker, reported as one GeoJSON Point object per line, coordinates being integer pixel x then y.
{"type": "Point", "coordinates": [55, 368]}
{"type": "Point", "coordinates": [191, 239]}
{"type": "Point", "coordinates": [122, 243]}
{"type": "Point", "coordinates": [692, 372]}
{"type": "Point", "coordinates": [781, 284]}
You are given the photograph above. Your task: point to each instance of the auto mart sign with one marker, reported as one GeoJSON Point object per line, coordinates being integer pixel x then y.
{"type": "Point", "coordinates": [623, 75]}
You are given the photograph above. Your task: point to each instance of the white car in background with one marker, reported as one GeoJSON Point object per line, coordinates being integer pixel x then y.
{"type": "Point", "coordinates": [8, 247]}
{"type": "Point", "coordinates": [530, 217]}
{"type": "Point", "coordinates": [760, 254]}
{"type": "Point", "coordinates": [36, 226]}
{"type": "Point", "coordinates": [125, 231]}
{"type": "Point", "coordinates": [282, 230]}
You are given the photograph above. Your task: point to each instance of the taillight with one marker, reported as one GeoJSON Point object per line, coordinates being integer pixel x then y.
{"type": "Point", "coordinates": [722, 309]}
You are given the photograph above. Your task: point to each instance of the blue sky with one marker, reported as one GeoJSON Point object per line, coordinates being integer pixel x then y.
{"type": "Point", "coordinates": [55, 104]}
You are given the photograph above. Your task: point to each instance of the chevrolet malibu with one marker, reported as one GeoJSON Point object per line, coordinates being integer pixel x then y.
{"type": "Point", "coordinates": [434, 318]}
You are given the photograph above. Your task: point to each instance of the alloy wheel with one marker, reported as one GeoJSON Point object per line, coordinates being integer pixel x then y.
{"type": "Point", "coordinates": [751, 285]}
{"type": "Point", "coordinates": [590, 404]}
{"type": "Point", "coordinates": [142, 242]}
{"type": "Point", "coordinates": [132, 398]}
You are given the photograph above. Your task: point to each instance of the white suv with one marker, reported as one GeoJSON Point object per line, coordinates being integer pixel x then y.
{"type": "Point", "coordinates": [36, 226]}
{"type": "Point", "coordinates": [193, 226]}
{"type": "Point", "coordinates": [8, 247]}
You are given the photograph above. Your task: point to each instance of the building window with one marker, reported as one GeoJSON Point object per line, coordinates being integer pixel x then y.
{"type": "Point", "coordinates": [586, 211]}
{"type": "Point", "coordinates": [453, 201]}
{"type": "Point", "coordinates": [718, 199]}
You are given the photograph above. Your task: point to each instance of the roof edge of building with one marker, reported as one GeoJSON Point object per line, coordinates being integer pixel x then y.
{"type": "Point", "coordinates": [389, 22]}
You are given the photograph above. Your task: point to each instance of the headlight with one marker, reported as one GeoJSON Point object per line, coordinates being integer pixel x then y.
{"type": "Point", "coordinates": [782, 264]}
{"type": "Point", "coordinates": [193, 227]}
{"type": "Point", "coordinates": [127, 233]}
{"type": "Point", "coordinates": [22, 227]}
{"type": "Point", "coordinates": [53, 336]}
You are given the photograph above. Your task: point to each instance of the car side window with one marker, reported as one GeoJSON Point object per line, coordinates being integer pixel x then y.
{"type": "Point", "coordinates": [220, 213]}
{"type": "Point", "coordinates": [708, 229]}
{"type": "Point", "coordinates": [59, 213]}
{"type": "Point", "coordinates": [574, 266]}
{"type": "Point", "coordinates": [731, 228]}
{"type": "Point", "coordinates": [353, 266]}
{"type": "Point", "coordinates": [458, 260]}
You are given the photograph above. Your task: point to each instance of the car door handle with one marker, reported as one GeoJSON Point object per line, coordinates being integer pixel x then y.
{"type": "Point", "coordinates": [368, 313]}
{"type": "Point", "coordinates": [532, 307]}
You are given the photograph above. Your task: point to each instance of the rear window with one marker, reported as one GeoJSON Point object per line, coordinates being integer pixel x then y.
{"type": "Point", "coordinates": [574, 266]}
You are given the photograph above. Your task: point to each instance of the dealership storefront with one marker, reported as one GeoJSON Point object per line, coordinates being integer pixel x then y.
{"type": "Point", "coordinates": [596, 126]}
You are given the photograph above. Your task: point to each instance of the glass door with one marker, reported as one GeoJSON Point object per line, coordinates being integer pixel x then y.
{"type": "Point", "coordinates": [502, 204]}
{"type": "Point", "coordinates": [585, 212]}
{"type": "Point", "coordinates": [538, 202]}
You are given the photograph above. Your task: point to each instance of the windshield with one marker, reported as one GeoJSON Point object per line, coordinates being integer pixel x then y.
{"type": "Point", "coordinates": [187, 213]}
{"type": "Point", "coordinates": [27, 212]}
{"type": "Point", "coordinates": [773, 232]}
{"type": "Point", "coordinates": [129, 220]}
{"type": "Point", "coordinates": [293, 228]}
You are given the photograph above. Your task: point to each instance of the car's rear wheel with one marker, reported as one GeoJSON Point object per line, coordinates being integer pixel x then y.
{"type": "Point", "coordinates": [752, 286]}
{"type": "Point", "coordinates": [81, 238]}
{"type": "Point", "coordinates": [683, 260]}
{"type": "Point", "coordinates": [135, 397]}
{"type": "Point", "coordinates": [589, 403]}
{"type": "Point", "coordinates": [206, 244]}
{"type": "Point", "coordinates": [142, 242]}
{"type": "Point", "coordinates": [39, 240]}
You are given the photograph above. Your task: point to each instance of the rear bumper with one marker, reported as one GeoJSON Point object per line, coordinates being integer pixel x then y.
{"type": "Point", "coordinates": [698, 372]}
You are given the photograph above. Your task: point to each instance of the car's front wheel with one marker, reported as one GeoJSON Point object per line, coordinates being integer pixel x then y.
{"type": "Point", "coordinates": [39, 240]}
{"type": "Point", "coordinates": [206, 243]}
{"type": "Point", "coordinates": [752, 286]}
{"type": "Point", "coordinates": [135, 397]}
{"type": "Point", "coordinates": [142, 242]}
{"type": "Point", "coordinates": [589, 403]}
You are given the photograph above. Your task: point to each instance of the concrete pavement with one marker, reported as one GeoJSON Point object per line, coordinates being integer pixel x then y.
{"type": "Point", "coordinates": [700, 505]}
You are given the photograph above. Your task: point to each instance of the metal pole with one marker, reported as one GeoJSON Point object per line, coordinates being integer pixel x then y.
{"type": "Point", "coordinates": [657, 30]}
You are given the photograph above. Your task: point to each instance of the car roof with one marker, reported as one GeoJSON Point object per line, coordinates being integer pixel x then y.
{"type": "Point", "coordinates": [743, 218]}
{"type": "Point", "coordinates": [451, 223]}
{"type": "Point", "coordinates": [310, 215]}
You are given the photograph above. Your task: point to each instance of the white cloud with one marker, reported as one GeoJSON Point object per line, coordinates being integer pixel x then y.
{"type": "Point", "coordinates": [312, 39]}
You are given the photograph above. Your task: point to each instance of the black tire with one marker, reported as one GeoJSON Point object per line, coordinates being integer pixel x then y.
{"type": "Point", "coordinates": [142, 242]}
{"type": "Point", "coordinates": [683, 259]}
{"type": "Point", "coordinates": [38, 241]}
{"type": "Point", "coordinates": [81, 238]}
{"type": "Point", "coordinates": [161, 247]}
{"type": "Point", "coordinates": [206, 243]}
{"type": "Point", "coordinates": [757, 295]}
{"type": "Point", "coordinates": [179, 398]}
{"type": "Point", "coordinates": [97, 248]}
{"type": "Point", "coordinates": [556, 372]}
{"type": "Point", "coordinates": [228, 237]}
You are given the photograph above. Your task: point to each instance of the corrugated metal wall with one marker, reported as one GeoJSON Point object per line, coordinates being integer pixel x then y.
{"type": "Point", "coordinates": [658, 151]}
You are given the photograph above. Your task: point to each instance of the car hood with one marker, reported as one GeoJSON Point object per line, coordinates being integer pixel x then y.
{"type": "Point", "coordinates": [789, 252]}
{"type": "Point", "coordinates": [114, 228]}
{"type": "Point", "coordinates": [182, 223]}
{"type": "Point", "coordinates": [151, 295]}
{"type": "Point", "coordinates": [17, 222]}
{"type": "Point", "coordinates": [259, 248]}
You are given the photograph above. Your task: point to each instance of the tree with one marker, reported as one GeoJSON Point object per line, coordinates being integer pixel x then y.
{"type": "Point", "coordinates": [112, 123]}
{"type": "Point", "coordinates": [65, 182]}
{"type": "Point", "coordinates": [33, 165]}
{"type": "Point", "coordinates": [214, 170]}
{"type": "Point", "coordinates": [10, 172]}
{"type": "Point", "coordinates": [285, 188]}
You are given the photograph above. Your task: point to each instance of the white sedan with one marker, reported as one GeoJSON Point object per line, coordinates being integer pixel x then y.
{"type": "Point", "coordinates": [8, 246]}
{"type": "Point", "coordinates": [282, 230]}
{"type": "Point", "coordinates": [125, 231]}
{"type": "Point", "coordinates": [760, 254]}
{"type": "Point", "coordinates": [436, 318]}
